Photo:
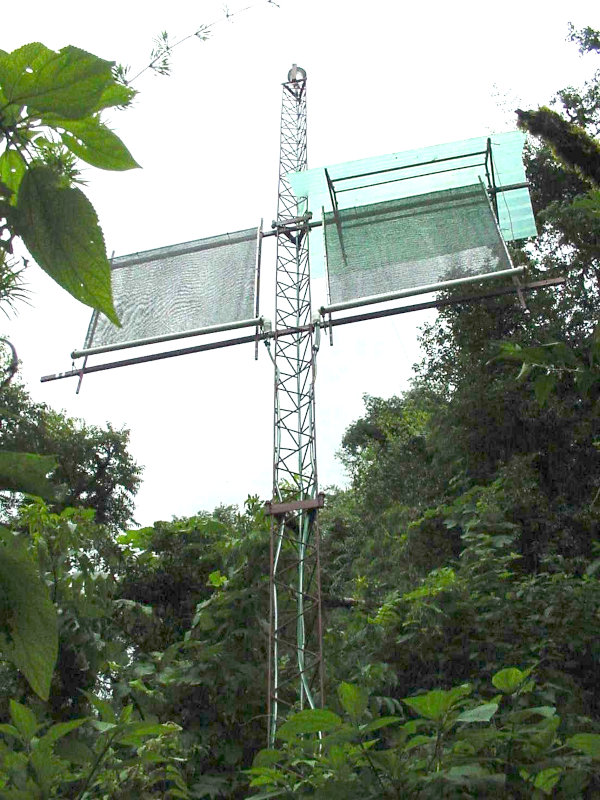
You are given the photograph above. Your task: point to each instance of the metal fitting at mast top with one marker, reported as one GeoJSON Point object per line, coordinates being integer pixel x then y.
{"type": "Point", "coordinates": [296, 74]}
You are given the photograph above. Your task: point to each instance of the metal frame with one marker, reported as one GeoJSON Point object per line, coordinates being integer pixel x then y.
{"type": "Point", "coordinates": [492, 195]}
{"type": "Point", "coordinates": [167, 337]}
{"type": "Point", "coordinates": [324, 324]}
{"type": "Point", "coordinates": [427, 289]}
{"type": "Point", "coordinates": [295, 671]}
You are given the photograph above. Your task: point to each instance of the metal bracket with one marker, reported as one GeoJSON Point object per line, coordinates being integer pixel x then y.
{"type": "Point", "coordinates": [278, 509]}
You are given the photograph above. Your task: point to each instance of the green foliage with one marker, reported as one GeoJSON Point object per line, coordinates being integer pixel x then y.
{"type": "Point", "coordinates": [468, 537]}
{"type": "Point", "coordinates": [60, 229]}
{"type": "Point", "coordinates": [569, 142]}
{"type": "Point", "coordinates": [88, 757]}
{"type": "Point", "coordinates": [93, 465]}
{"type": "Point", "coordinates": [50, 104]}
{"type": "Point", "coordinates": [27, 472]}
{"type": "Point", "coordinates": [457, 746]}
{"type": "Point", "coordinates": [28, 627]}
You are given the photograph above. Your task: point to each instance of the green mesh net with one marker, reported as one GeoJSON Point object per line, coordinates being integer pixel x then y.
{"type": "Point", "coordinates": [428, 169]}
{"type": "Point", "coordinates": [180, 288]}
{"type": "Point", "coordinates": [412, 242]}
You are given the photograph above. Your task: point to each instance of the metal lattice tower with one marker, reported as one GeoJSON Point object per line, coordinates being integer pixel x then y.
{"type": "Point", "coordinates": [295, 673]}
{"type": "Point", "coordinates": [188, 290]}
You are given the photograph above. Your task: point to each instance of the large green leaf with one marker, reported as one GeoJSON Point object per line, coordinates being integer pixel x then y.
{"type": "Point", "coordinates": [114, 95]}
{"type": "Point", "coordinates": [29, 637]}
{"type": "Point", "coordinates": [27, 472]}
{"type": "Point", "coordinates": [135, 732]}
{"type": "Point", "coordinates": [60, 729]}
{"type": "Point", "coordinates": [12, 169]}
{"type": "Point", "coordinates": [481, 713]}
{"type": "Point", "coordinates": [17, 67]}
{"type": "Point", "coordinates": [23, 719]}
{"type": "Point", "coordinates": [547, 779]}
{"type": "Point", "coordinates": [69, 83]}
{"type": "Point", "coordinates": [588, 743]}
{"type": "Point", "coordinates": [435, 704]}
{"type": "Point", "coordinates": [510, 679]}
{"type": "Point", "coordinates": [60, 229]}
{"type": "Point", "coordinates": [311, 720]}
{"type": "Point", "coordinates": [354, 699]}
{"type": "Point", "coordinates": [93, 142]}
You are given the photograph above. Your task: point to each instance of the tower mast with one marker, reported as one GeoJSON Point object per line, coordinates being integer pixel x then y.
{"type": "Point", "coordinates": [295, 673]}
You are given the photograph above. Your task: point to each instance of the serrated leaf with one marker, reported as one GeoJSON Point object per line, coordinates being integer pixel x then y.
{"type": "Point", "coordinates": [114, 95]}
{"type": "Point", "coordinates": [588, 743]}
{"type": "Point", "coordinates": [69, 83]}
{"type": "Point", "coordinates": [482, 713]}
{"type": "Point", "coordinates": [311, 720]}
{"type": "Point", "coordinates": [60, 229]}
{"type": "Point", "coordinates": [510, 679]}
{"type": "Point", "coordinates": [17, 67]}
{"type": "Point", "coordinates": [354, 699]}
{"type": "Point", "coordinates": [90, 140]}
{"type": "Point", "coordinates": [435, 704]}
{"type": "Point", "coordinates": [27, 472]}
{"type": "Point", "coordinates": [23, 719]}
{"type": "Point", "coordinates": [32, 644]}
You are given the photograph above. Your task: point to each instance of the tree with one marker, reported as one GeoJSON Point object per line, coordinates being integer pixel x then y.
{"type": "Point", "coordinates": [495, 485]}
{"type": "Point", "coordinates": [50, 114]}
{"type": "Point", "coordinates": [94, 468]}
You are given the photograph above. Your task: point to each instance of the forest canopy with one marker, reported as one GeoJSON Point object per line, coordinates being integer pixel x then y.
{"type": "Point", "coordinates": [460, 569]}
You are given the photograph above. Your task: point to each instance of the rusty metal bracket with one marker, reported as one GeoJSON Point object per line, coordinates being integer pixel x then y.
{"type": "Point", "coordinates": [278, 509]}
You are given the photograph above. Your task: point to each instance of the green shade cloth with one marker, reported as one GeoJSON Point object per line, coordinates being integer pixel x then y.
{"type": "Point", "coordinates": [514, 207]}
{"type": "Point", "coordinates": [180, 288]}
{"type": "Point", "coordinates": [412, 242]}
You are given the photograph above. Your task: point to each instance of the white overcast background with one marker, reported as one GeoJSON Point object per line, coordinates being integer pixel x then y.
{"type": "Point", "coordinates": [383, 76]}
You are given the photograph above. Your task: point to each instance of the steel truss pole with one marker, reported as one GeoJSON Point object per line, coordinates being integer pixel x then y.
{"type": "Point", "coordinates": [295, 674]}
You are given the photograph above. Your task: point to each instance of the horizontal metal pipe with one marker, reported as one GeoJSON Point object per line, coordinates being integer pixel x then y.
{"type": "Point", "coordinates": [409, 166]}
{"type": "Point", "coordinates": [432, 287]}
{"type": "Point", "coordinates": [509, 187]}
{"type": "Point", "coordinates": [388, 312]}
{"type": "Point", "coordinates": [406, 178]}
{"type": "Point", "coordinates": [127, 362]}
{"type": "Point", "coordinates": [167, 337]}
{"type": "Point", "coordinates": [451, 301]}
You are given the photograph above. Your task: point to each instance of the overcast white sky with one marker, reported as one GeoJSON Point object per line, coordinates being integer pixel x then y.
{"type": "Point", "coordinates": [383, 76]}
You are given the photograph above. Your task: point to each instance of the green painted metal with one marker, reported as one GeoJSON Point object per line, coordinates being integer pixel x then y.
{"type": "Point", "coordinates": [410, 242]}
{"type": "Point", "coordinates": [428, 169]}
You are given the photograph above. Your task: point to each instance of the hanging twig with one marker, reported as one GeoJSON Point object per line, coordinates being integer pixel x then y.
{"type": "Point", "coordinates": [164, 49]}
